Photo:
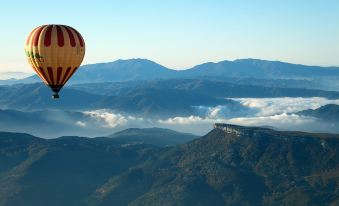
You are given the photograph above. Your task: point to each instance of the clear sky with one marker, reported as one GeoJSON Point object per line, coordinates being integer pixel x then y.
{"type": "Point", "coordinates": [181, 33]}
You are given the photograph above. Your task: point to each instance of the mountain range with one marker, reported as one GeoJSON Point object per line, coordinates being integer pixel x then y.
{"type": "Point", "coordinates": [163, 98]}
{"type": "Point", "coordinates": [143, 69]}
{"type": "Point", "coordinates": [329, 113]}
{"type": "Point", "coordinates": [153, 136]}
{"type": "Point", "coordinates": [232, 71]}
{"type": "Point", "coordinates": [14, 75]}
{"type": "Point", "coordinates": [231, 165]}
{"type": "Point", "coordinates": [157, 96]}
{"type": "Point", "coordinates": [29, 107]}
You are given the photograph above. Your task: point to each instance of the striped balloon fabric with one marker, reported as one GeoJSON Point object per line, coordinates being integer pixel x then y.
{"type": "Point", "coordinates": [55, 52]}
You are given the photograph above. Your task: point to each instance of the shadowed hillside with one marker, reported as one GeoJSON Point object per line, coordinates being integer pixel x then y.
{"type": "Point", "coordinates": [328, 112]}
{"type": "Point", "coordinates": [234, 166]}
{"type": "Point", "coordinates": [155, 136]}
{"type": "Point", "coordinates": [231, 165]}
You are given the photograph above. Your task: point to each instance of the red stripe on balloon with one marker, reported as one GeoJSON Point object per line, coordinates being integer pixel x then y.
{"type": "Point", "coordinates": [79, 37]}
{"type": "Point", "coordinates": [60, 36]}
{"type": "Point", "coordinates": [71, 36]}
{"type": "Point", "coordinates": [40, 75]}
{"type": "Point", "coordinates": [59, 71]}
{"type": "Point", "coordinates": [48, 36]}
{"type": "Point", "coordinates": [50, 73]}
{"type": "Point", "coordinates": [29, 37]}
{"type": "Point", "coordinates": [71, 74]}
{"type": "Point", "coordinates": [65, 75]}
{"type": "Point", "coordinates": [37, 35]}
{"type": "Point", "coordinates": [43, 74]}
{"type": "Point", "coordinates": [73, 71]}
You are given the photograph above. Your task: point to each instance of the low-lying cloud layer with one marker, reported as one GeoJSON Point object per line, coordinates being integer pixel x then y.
{"type": "Point", "coordinates": [271, 106]}
{"type": "Point", "coordinates": [111, 120]}
{"type": "Point", "coordinates": [279, 113]}
{"type": "Point", "coordinates": [273, 112]}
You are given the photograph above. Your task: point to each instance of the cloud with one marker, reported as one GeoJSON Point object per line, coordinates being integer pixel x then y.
{"type": "Point", "coordinates": [81, 123]}
{"type": "Point", "coordinates": [224, 111]}
{"type": "Point", "coordinates": [274, 119]}
{"type": "Point", "coordinates": [259, 107]}
{"type": "Point", "coordinates": [275, 112]}
{"type": "Point", "coordinates": [185, 120]}
{"type": "Point", "coordinates": [108, 119]}
{"type": "Point", "coordinates": [201, 125]}
{"type": "Point", "coordinates": [271, 106]}
{"type": "Point", "coordinates": [277, 120]}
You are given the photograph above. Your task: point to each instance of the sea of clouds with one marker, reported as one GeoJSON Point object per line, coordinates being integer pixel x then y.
{"type": "Point", "coordinates": [279, 113]}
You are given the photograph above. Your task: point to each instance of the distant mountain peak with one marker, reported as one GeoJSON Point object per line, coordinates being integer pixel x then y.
{"type": "Point", "coordinates": [132, 129]}
{"type": "Point", "coordinates": [329, 112]}
{"type": "Point", "coordinates": [14, 75]}
{"type": "Point", "coordinates": [125, 62]}
{"type": "Point", "coordinates": [136, 69]}
{"type": "Point", "coordinates": [154, 136]}
{"type": "Point", "coordinates": [253, 60]}
{"type": "Point", "coordinates": [135, 60]}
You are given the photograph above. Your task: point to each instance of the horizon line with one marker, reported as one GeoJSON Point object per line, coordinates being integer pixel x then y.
{"type": "Point", "coordinates": [214, 62]}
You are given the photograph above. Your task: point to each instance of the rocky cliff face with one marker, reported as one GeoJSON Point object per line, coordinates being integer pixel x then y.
{"type": "Point", "coordinates": [232, 129]}
{"type": "Point", "coordinates": [239, 130]}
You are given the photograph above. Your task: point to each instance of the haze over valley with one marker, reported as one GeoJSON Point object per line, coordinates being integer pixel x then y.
{"type": "Point", "coordinates": [141, 93]}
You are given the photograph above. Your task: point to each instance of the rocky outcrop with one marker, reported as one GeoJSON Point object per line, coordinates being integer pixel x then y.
{"type": "Point", "coordinates": [232, 129]}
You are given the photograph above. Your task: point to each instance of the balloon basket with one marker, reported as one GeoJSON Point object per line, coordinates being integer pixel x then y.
{"type": "Point", "coordinates": [55, 96]}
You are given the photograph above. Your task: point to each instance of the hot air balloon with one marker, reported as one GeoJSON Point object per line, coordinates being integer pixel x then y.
{"type": "Point", "coordinates": [55, 52]}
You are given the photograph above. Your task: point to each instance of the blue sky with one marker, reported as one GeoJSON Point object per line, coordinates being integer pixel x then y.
{"type": "Point", "coordinates": [181, 33]}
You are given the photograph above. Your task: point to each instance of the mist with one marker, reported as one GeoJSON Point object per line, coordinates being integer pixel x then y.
{"type": "Point", "coordinates": [278, 113]}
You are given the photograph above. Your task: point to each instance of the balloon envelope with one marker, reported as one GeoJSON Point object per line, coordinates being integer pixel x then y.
{"type": "Point", "coordinates": [55, 52]}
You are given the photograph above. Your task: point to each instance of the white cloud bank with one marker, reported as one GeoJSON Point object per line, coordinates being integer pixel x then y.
{"type": "Point", "coordinates": [271, 106]}
{"type": "Point", "coordinates": [274, 112]}
{"type": "Point", "coordinates": [109, 119]}
{"type": "Point", "coordinates": [277, 119]}
{"type": "Point", "coordinates": [80, 123]}
{"type": "Point", "coordinates": [185, 120]}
